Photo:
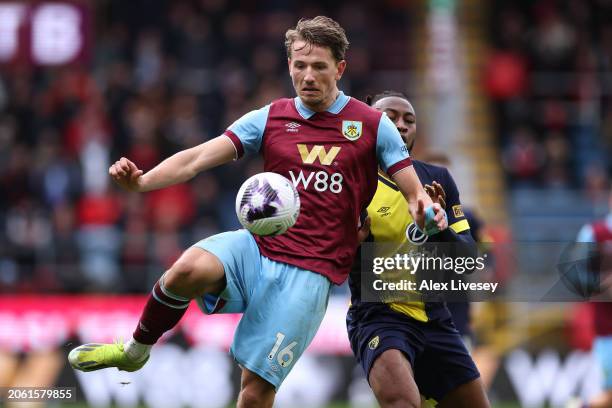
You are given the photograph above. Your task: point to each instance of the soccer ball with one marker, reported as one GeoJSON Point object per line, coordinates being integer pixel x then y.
{"type": "Point", "coordinates": [267, 204]}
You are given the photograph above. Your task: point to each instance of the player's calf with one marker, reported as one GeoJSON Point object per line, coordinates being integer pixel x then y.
{"type": "Point", "coordinates": [162, 312]}
{"type": "Point", "coordinates": [196, 272]}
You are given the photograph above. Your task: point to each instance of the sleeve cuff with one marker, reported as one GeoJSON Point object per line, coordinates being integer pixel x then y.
{"type": "Point", "coordinates": [460, 226]}
{"type": "Point", "coordinates": [236, 142]}
{"type": "Point", "coordinates": [400, 165]}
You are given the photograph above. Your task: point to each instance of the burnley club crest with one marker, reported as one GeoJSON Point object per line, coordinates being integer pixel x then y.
{"type": "Point", "coordinates": [351, 129]}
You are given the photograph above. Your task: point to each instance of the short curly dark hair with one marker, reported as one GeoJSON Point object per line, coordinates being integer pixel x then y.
{"type": "Point", "coordinates": [321, 31]}
{"type": "Point", "coordinates": [372, 99]}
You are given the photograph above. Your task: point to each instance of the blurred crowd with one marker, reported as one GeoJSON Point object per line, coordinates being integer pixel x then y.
{"type": "Point", "coordinates": [162, 76]}
{"type": "Point", "coordinates": [549, 77]}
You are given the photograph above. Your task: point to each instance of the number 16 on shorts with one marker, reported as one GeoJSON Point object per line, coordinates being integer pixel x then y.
{"type": "Point", "coordinates": [284, 357]}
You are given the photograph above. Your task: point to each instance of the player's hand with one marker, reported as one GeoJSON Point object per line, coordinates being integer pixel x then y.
{"type": "Point", "coordinates": [427, 224]}
{"type": "Point", "coordinates": [440, 218]}
{"type": "Point", "coordinates": [364, 230]}
{"type": "Point", "coordinates": [126, 174]}
{"type": "Point", "coordinates": [437, 193]}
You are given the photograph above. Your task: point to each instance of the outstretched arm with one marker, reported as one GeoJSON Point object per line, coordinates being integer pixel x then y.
{"type": "Point", "coordinates": [393, 158]}
{"type": "Point", "coordinates": [418, 200]}
{"type": "Point", "coordinates": [176, 169]}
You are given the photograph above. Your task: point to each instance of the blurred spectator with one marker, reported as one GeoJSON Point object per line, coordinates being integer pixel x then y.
{"type": "Point", "coordinates": [8, 136]}
{"type": "Point", "coordinates": [28, 233]}
{"type": "Point", "coordinates": [99, 238]}
{"type": "Point", "coordinates": [55, 176]}
{"type": "Point", "coordinates": [148, 61]}
{"type": "Point", "coordinates": [184, 128]}
{"type": "Point", "coordinates": [523, 158]}
{"type": "Point", "coordinates": [65, 259]}
{"type": "Point", "coordinates": [505, 75]}
{"type": "Point", "coordinates": [597, 184]}
{"type": "Point", "coordinates": [606, 131]}
{"type": "Point", "coordinates": [135, 251]}
{"type": "Point", "coordinates": [558, 172]}
{"type": "Point", "coordinates": [553, 38]}
{"type": "Point", "coordinates": [15, 179]}
{"type": "Point", "coordinates": [88, 138]}
{"type": "Point", "coordinates": [142, 127]}
{"type": "Point", "coordinates": [169, 212]}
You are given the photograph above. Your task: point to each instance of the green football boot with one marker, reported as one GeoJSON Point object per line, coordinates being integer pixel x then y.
{"type": "Point", "coordinates": [96, 356]}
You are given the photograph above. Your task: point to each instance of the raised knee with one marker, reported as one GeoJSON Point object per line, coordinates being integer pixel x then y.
{"type": "Point", "coordinates": [182, 280]}
{"type": "Point", "coordinates": [194, 273]}
{"type": "Point", "coordinates": [181, 272]}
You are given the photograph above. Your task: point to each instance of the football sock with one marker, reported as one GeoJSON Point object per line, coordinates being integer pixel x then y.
{"type": "Point", "coordinates": [161, 313]}
{"type": "Point", "coordinates": [137, 351]}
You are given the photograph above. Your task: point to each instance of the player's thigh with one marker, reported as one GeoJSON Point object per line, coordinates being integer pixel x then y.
{"type": "Point", "coordinates": [468, 395]}
{"type": "Point", "coordinates": [392, 379]}
{"type": "Point", "coordinates": [284, 311]}
{"type": "Point", "coordinates": [196, 271]}
{"type": "Point", "coordinates": [445, 365]}
{"type": "Point", "coordinates": [236, 254]}
{"type": "Point", "coordinates": [386, 344]}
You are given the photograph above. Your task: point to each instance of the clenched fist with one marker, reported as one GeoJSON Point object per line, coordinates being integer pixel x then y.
{"type": "Point", "coordinates": [126, 174]}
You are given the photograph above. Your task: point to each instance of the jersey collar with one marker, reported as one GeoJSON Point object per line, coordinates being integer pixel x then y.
{"type": "Point", "coordinates": [335, 107]}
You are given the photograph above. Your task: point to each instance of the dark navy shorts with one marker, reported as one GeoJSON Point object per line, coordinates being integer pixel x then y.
{"type": "Point", "coordinates": [435, 350]}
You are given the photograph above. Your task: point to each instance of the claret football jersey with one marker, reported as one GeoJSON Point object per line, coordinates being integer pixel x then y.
{"type": "Point", "coordinates": [332, 158]}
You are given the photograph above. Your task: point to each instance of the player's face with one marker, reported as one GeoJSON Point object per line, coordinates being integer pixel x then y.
{"type": "Point", "coordinates": [314, 73]}
{"type": "Point", "coordinates": [401, 112]}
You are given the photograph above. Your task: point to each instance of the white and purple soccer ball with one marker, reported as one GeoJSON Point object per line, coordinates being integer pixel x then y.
{"type": "Point", "coordinates": [267, 204]}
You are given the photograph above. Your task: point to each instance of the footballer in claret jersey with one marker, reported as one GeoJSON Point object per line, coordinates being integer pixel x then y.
{"type": "Point", "coordinates": [331, 147]}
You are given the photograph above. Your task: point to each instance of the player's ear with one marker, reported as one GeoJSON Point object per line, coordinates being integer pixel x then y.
{"type": "Point", "coordinates": [289, 63]}
{"type": "Point", "coordinates": [341, 66]}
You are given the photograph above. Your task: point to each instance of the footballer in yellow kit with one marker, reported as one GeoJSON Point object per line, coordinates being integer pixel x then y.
{"type": "Point", "coordinates": [391, 221]}
{"type": "Point", "coordinates": [387, 336]}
